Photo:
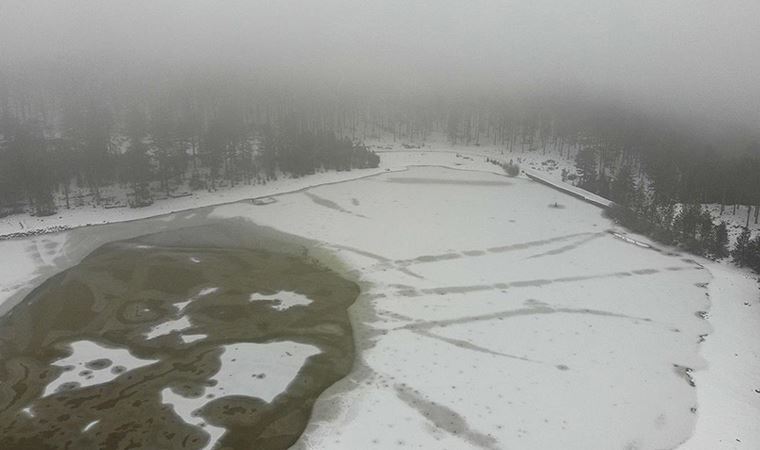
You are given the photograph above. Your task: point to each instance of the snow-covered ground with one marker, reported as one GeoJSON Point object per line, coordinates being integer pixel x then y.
{"type": "Point", "coordinates": [496, 313]}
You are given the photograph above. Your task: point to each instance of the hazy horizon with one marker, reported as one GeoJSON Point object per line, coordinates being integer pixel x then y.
{"type": "Point", "coordinates": [693, 60]}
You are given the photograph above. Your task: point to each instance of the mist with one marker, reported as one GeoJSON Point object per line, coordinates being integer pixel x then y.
{"type": "Point", "coordinates": [341, 224]}
{"type": "Point", "coordinates": [694, 60]}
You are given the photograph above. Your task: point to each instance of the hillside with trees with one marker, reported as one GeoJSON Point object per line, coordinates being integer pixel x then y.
{"type": "Point", "coordinates": [78, 149]}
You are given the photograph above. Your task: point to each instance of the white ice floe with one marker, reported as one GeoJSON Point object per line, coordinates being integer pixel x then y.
{"type": "Point", "coordinates": [189, 338]}
{"type": "Point", "coordinates": [207, 291]}
{"type": "Point", "coordinates": [183, 323]}
{"type": "Point", "coordinates": [247, 369]}
{"type": "Point", "coordinates": [77, 374]}
{"type": "Point", "coordinates": [203, 292]}
{"type": "Point", "coordinates": [168, 327]}
{"type": "Point", "coordinates": [283, 299]}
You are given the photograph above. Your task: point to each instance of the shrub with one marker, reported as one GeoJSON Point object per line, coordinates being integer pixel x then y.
{"type": "Point", "coordinates": [512, 169]}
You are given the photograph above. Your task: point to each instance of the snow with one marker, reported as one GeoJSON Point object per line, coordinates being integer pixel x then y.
{"type": "Point", "coordinates": [168, 327]}
{"type": "Point", "coordinates": [283, 300]}
{"type": "Point", "coordinates": [729, 389]}
{"type": "Point", "coordinates": [735, 221]}
{"type": "Point", "coordinates": [207, 291]}
{"type": "Point", "coordinates": [78, 375]}
{"type": "Point", "coordinates": [190, 338]}
{"type": "Point", "coordinates": [530, 330]}
{"type": "Point", "coordinates": [570, 189]}
{"type": "Point", "coordinates": [264, 377]}
{"type": "Point", "coordinates": [82, 216]}
{"type": "Point", "coordinates": [182, 305]}
{"type": "Point", "coordinates": [488, 319]}
{"type": "Point", "coordinates": [181, 323]}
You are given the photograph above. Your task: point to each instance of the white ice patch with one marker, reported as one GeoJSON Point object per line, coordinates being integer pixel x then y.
{"type": "Point", "coordinates": [86, 351]}
{"type": "Point", "coordinates": [165, 328]}
{"type": "Point", "coordinates": [89, 426]}
{"type": "Point", "coordinates": [205, 291]}
{"type": "Point", "coordinates": [284, 299]}
{"type": "Point", "coordinates": [188, 338]}
{"type": "Point", "coordinates": [182, 305]}
{"type": "Point", "coordinates": [247, 369]}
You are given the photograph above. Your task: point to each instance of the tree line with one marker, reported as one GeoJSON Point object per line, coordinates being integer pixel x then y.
{"type": "Point", "coordinates": [157, 150]}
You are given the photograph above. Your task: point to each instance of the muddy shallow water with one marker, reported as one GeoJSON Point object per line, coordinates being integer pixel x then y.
{"type": "Point", "coordinates": [173, 340]}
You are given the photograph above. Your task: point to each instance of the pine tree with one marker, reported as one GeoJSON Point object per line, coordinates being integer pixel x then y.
{"type": "Point", "coordinates": [720, 245]}
{"type": "Point", "coordinates": [622, 189]}
{"type": "Point", "coordinates": [585, 163]}
{"type": "Point", "coordinates": [740, 252]}
{"type": "Point", "coordinates": [753, 254]}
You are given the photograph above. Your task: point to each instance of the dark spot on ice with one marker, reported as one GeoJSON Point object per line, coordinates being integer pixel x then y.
{"type": "Point", "coordinates": [562, 367]}
{"type": "Point", "coordinates": [98, 364]}
{"type": "Point", "coordinates": [68, 386]}
{"type": "Point", "coordinates": [685, 373]}
{"type": "Point", "coordinates": [645, 271]}
{"type": "Point", "coordinates": [444, 418]}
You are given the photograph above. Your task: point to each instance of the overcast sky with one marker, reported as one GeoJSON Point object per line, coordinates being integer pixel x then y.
{"type": "Point", "coordinates": [697, 57]}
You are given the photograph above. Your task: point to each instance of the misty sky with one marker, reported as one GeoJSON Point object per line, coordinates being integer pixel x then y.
{"type": "Point", "coordinates": [697, 57]}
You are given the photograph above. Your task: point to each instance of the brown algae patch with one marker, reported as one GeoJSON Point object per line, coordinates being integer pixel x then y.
{"type": "Point", "coordinates": [155, 346]}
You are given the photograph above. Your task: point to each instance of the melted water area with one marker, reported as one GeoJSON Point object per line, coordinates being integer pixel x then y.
{"type": "Point", "coordinates": [150, 346]}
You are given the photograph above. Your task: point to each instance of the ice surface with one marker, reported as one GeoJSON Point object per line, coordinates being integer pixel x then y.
{"type": "Point", "coordinates": [491, 320]}
{"type": "Point", "coordinates": [202, 293]}
{"type": "Point", "coordinates": [283, 299]}
{"type": "Point", "coordinates": [264, 376]}
{"type": "Point", "coordinates": [499, 321]}
{"type": "Point", "coordinates": [77, 375]}
{"type": "Point", "coordinates": [168, 327]}
{"type": "Point", "coordinates": [190, 338]}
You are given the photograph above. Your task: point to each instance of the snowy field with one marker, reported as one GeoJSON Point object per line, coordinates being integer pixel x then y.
{"type": "Point", "coordinates": [496, 313]}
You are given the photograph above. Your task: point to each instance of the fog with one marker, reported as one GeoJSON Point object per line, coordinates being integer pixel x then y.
{"type": "Point", "coordinates": [695, 59]}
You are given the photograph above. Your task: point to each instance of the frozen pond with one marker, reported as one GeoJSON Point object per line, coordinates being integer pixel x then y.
{"type": "Point", "coordinates": [164, 345]}
{"type": "Point", "coordinates": [493, 319]}
{"type": "Point", "coordinates": [494, 313]}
